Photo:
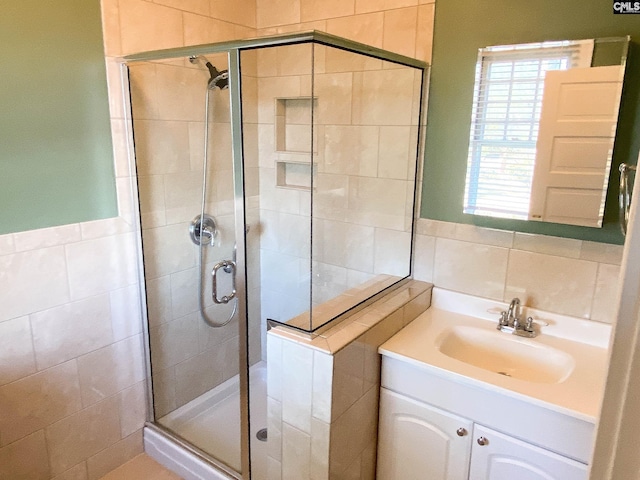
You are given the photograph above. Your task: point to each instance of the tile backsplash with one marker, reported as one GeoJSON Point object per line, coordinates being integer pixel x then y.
{"type": "Point", "coordinates": [560, 275]}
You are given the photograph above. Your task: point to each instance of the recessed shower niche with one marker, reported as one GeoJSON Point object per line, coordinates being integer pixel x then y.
{"type": "Point", "coordinates": [303, 149]}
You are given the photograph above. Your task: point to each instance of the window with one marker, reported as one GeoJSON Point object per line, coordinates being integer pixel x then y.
{"type": "Point", "coordinates": [504, 124]}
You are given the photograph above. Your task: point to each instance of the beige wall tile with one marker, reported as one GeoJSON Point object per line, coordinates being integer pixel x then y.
{"type": "Point", "coordinates": [83, 434]}
{"type": "Point", "coordinates": [322, 386]}
{"type": "Point", "coordinates": [180, 92]}
{"type": "Point", "coordinates": [352, 432]}
{"type": "Point", "coordinates": [470, 268]}
{"type": "Point", "coordinates": [297, 387]}
{"type": "Point", "coordinates": [474, 234]}
{"type": "Point", "coordinates": [164, 393]}
{"type": "Point", "coordinates": [182, 196]}
{"type": "Point", "coordinates": [242, 12]}
{"type": "Point", "coordinates": [551, 283]}
{"type": "Point", "coordinates": [424, 258]}
{"type": "Point", "coordinates": [271, 13]}
{"type": "Point", "coordinates": [197, 375]}
{"type": "Point", "coordinates": [562, 247]}
{"type": "Point", "coordinates": [167, 249]}
{"type": "Point", "coordinates": [158, 300]}
{"type": "Point", "coordinates": [296, 453]}
{"type": "Point", "coordinates": [400, 27]}
{"type": "Point", "coordinates": [424, 34]}
{"type": "Point", "coordinates": [367, 29]}
{"type": "Point", "coordinates": [7, 244]}
{"type": "Point", "coordinates": [25, 459]}
{"type": "Point", "coordinates": [604, 304]}
{"type": "Point", "coordinates": [375, 97]}
{"type": "Point", "coordinates": [320, 436]}
{"type": "Point", "coordinates": [601, 252]}
{"type": "Point", "coordinates": [111, 27]}
{"type": "Point", "coordinates": [146, 26]}
{"type": "Point", "coordinates": [174, 342]}
{"type": "Point", "coordinates": [274, 469]}
{"type": "Point", "coordinates": [395, 152]}
{"type": "Point", "coordinates": [199, 30]}
{"type": "Point", "coordinates": [142, 466]}
{"type": "Point", "coordinates": [392, 252]}
{"type": "Point", "coordinates": [111, 369]}
{"type": "Point", "coordinates": [133, 408]}
{"type": "Point", "coordinates": [194, 6]}
{"type": "Point", "coordinates": [17, 358]}
{"type": "Point", "coordinates": [311, 10]}
{"type": "Point", "coordinates": [24, 292]}
{"type": "Point", "coordinates": [350, 150]}
{"type": "Point", "coordinates": [125, 312]}
{"type": "Point", "coordinates": [274, 424]}
{"type": "Point", "coordinates": [46, 237]}
{"type": "Point", "coordinates": [377, 202]}
{"type": "Point", "coordinates": [112, 457]}
{"type": "Point", "coordinates": [34, 402]}
{"type": "Point", "coordinates": [274, 366]}
{"type": "Point", "coordinates": [91, 274]}
{"type": "Point", "coordinates": [65, 332]}
{"type": "Point", "coordinates": [334, 91]}
{"type": "Point", "coordinates": [348, 378]}
{"type": "Point", "coordinates": [161, 147]}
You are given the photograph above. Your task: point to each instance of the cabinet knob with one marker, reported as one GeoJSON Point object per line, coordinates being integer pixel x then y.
{"type": "Point", "coordinates": [482, 441]}
{"type": "Point", "coordinates": [461, 432]}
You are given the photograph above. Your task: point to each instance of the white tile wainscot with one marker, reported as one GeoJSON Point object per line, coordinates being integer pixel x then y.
{"type": "Point", "coordinates": [323, 390]}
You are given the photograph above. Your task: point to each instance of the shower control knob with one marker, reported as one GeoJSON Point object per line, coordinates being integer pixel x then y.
{"type": "Point", "coordinates": [461, 432]}
{"type": "Point", "coordinates": [482, 441]}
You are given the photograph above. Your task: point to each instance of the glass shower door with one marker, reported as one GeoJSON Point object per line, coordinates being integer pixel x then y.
{"type": "Point", "coordinates": [182, 132]}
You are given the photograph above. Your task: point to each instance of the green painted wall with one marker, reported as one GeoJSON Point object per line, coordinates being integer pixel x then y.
{"type": "Point", "coordinates": [56, 160]}
{"type": "Point", "coordinates": [463, 26]}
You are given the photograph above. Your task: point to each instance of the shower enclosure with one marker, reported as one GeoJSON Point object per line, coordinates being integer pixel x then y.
{"type": "Point", "coordinates": [276, 185]}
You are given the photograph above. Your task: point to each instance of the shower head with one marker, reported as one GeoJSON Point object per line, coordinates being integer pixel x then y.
{"type": "Point", "coordinates": [219, 78]}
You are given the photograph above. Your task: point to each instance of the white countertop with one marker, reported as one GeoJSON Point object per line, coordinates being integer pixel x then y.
{"type": "Point", "coordinates": [579, 395]}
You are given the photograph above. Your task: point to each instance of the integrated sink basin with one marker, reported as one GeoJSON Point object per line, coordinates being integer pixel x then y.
{"type": "Point", "coordinates": [505, 354]}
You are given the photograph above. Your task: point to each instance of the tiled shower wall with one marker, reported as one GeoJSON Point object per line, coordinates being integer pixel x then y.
{"type": "Point", "coordinates": [365, 137]}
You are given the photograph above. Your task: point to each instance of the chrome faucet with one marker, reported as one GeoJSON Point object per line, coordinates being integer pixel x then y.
{"type": "Point", "coordinates": [511, 322]}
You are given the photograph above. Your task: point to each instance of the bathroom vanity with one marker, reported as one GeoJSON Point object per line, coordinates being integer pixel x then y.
{"type": "Point", "coordinates": [461, 400]}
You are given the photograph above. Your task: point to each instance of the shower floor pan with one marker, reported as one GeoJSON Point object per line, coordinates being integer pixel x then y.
{"type": "Point", "coordinates": [211, 421]}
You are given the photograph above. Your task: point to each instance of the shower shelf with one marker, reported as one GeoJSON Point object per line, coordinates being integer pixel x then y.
{"type": "Point", "coordinates": [294, 175]}
{"type": "Point", "coordinates": [293, 124]}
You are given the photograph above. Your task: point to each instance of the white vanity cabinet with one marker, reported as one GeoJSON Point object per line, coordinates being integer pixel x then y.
{"type": "Point", "coordinates": [496, 456]}
{"type": "Point", "coordinates": [417, 441]}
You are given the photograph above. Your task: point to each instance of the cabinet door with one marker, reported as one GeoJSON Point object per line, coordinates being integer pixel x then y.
{"type": "Point", "coordinates": [417, 441]}
{"type": "Point", "coordinates": [504, 458]}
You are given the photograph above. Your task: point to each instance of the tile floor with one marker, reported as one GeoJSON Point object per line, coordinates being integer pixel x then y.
{"type": "Point", "coordinates": [142, 467]}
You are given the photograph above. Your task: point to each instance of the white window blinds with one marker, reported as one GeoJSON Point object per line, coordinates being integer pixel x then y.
{"type": "Point", "coordinates": [504, 124]}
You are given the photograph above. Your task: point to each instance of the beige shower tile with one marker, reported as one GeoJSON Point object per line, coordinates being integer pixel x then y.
{"type": "Point", "coordinates": [182, 196]}
{"type": "Point", "coordinates": [111, 369]}
{"type": "Point", "coordinates": [146, 26]}
{"type": "Point", "coordinates": [17, 358]}
{"type": "Point", "coordinates": [197, 375]}
{"type": "Point", "coordinates": [395, 152]}
{"type": "Point", "coordinates": [337, 60]}
{"type": "Point", "coordinates": [336, 90]}
{"type": "Point", "coordinates": [470, 268]}
{"type": "Point", "coordinates": [375, 101]}
{"type": "Point", "coordinates": [175, 341]}
{"type": "Point", "coordinates": [164, 391]}
{"type": "Point", "coordinates": [400, 28]}
{"type": "Point", "coordinates": [22, 291]}
{"type": "Point", "coordinates": [322, 385]}
{"type": "Point", "coordinates": [34, 402]}
{"type": "Point", "coordinates": [162, 147]}
{"type": "Point", "coordinates": [63, 333]}
{"type": "Point", "coordinates": [271, 13]}
{"type": "Point", "coordinates": [392, 252]}
{"type": "Point", "coordinates": [604, 304]}
{"type": "Point", "coordinates": [126, 317]}
{"type": "Point", "coordinates": [350, 150]}
{"type": "Point", "coordinates": [312, 10]}
{"type": "Point", "coordinates": [366, 29]}
{"type": "Point", "coordinates": [83, 434]}
{"type": "Point", "coordinates": [475, 234]}
{"type": "Point", "coordinates": [115, 455]}
{"type": "Point", "coordinates": [158, 300]}
{"type": "Point", "coordinates": [320, 436]}
{"type": "Point", "coordinates": [111, 27]}
{"type": "Point", "coordinates": [556, 284]}
{"type": "Point", "coordinates": [25, 459]}
{"type": "Point", "coordinates": [180, 93]}
{"type": "Point", "coordinates": [168, 249]}
{"type": "Point", "coordinates": [274, 425]}
{"type": "Point", "coordinates": [377, 202]}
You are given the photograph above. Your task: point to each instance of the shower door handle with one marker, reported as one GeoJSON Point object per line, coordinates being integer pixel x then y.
{"type": "Point", "coordinates": [229, 267]}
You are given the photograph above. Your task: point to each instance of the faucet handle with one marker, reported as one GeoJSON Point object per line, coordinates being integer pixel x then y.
{"type": "Point", "coordinates": [504, 320]}
{"type": "Point", "coordinates": [529, 325]}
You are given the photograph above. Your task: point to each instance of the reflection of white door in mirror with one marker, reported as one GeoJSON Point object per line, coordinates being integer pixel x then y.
{"type": "Point", "coordinates": [575, 144]}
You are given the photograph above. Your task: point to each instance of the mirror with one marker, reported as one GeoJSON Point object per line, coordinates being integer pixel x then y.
{"type": "Point", "coordinates": [543, 126]}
